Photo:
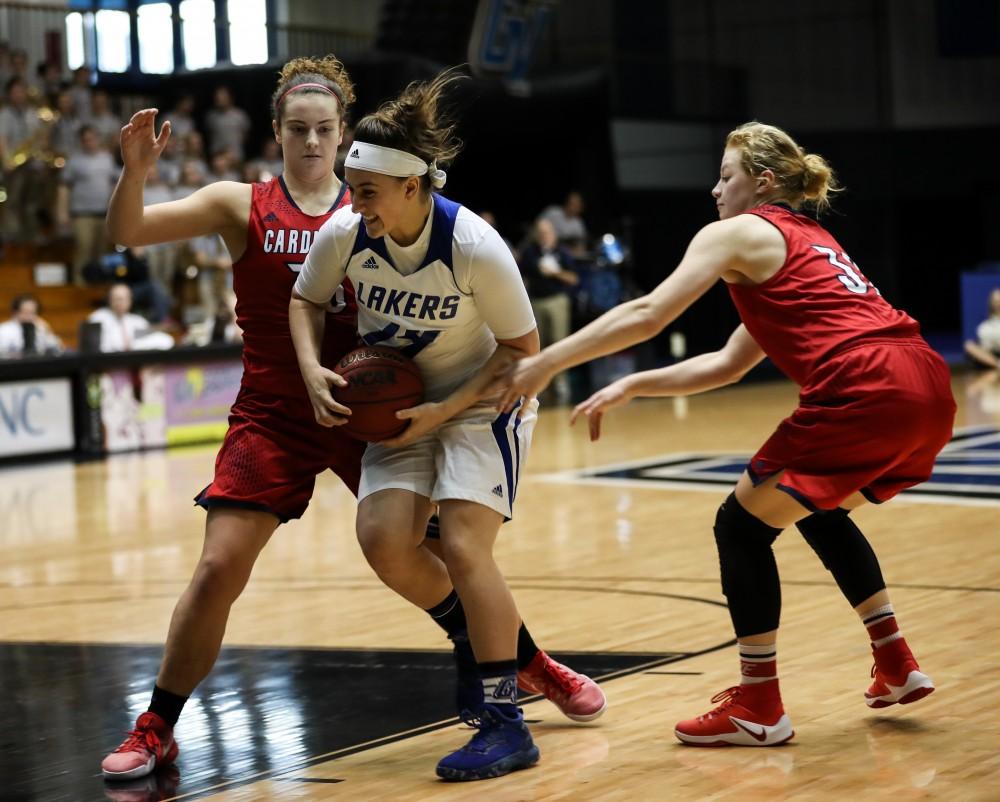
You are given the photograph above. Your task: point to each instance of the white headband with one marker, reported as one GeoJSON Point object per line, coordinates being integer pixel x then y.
{"type": "Point", "coordinates": [389, 161]}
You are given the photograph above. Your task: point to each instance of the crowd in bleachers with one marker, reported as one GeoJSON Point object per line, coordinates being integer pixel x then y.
{"type": "Point", "coordinates": [59, 161]}
{"type": "Point", "coordinates": [59, 152]}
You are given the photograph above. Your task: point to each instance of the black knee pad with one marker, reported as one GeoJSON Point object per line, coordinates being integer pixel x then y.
{"type": "Point", "coordinates": [845, 552]}
{"type": "Point", "coordinates": [749, 572]}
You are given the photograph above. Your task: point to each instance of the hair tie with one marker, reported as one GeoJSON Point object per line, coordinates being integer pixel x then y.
{"type": "Point", "coordinates": [437, 176]}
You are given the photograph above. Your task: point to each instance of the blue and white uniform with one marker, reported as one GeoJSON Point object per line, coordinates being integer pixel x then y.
{"type": "Point", "coordinates": [444, 301]}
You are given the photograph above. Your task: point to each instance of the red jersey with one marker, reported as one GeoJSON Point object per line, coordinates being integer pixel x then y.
{"type": "Point", "coordinates": [817, 303]}
{"type": "Point", "coordinates": [279, 236]}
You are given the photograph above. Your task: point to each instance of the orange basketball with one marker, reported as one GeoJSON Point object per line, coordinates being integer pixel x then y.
{"type": "Point", "coordinates": [380, 382]}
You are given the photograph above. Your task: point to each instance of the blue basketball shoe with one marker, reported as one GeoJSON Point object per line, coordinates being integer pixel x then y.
{"type": "Point", "coordinates": [468, 685]}
{"type": "Point", "coordinates": [502, 744]}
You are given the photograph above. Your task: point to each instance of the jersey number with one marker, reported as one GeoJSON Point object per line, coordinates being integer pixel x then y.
{"type": "Point", "coordinates": [418, 340]}
{"type": "Point", "coordinates": [851, 279]}
{"type": "Point", "coordinates": [338, 303]}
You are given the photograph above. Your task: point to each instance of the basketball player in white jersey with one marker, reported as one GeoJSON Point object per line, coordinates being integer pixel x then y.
{"type": "Point", "coordinates": [437, 282]}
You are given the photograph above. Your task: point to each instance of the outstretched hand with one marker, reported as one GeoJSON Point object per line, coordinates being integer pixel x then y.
{"type": "Point", "coordinates": [141, 147]}
{"type": "Point", "coordinates": [609, 397]}
{"type": "Point", "coordinates": [527, 377]}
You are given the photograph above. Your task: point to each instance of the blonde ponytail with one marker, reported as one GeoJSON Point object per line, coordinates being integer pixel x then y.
{"type": "Point", "coordinates": [800, 178]}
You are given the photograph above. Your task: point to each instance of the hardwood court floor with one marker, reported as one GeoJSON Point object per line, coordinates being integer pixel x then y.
{"type": "Point", "coordinates": [334, 689]}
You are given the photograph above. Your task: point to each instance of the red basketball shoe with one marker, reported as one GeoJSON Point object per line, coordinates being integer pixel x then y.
{"type": "Point", "coordinates": [897, 676]}
{"type": "Point", "coordinates": [576, 695]}
{"type": "Point", "coordinates": [161, 784]}
{"type": "Point", "coordinates": [151, 743]}
{"type": "Point", "coordinates": [747, 715]}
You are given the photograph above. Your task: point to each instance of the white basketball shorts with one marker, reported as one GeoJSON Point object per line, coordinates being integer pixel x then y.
{"type": "Point", "coordinates": [477, 456]}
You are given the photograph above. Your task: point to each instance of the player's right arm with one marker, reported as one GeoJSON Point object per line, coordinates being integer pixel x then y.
{"type": "Point", "coordinates": [695, 375]}
{"type": "Point", "coordinates": [718, 248]}
{"type": "Point", "coordinates": [220, 208]}
{"type": "Point", "coordinates": [321, 274]}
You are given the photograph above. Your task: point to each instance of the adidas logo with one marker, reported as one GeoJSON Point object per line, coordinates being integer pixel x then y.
{"type": "Point", "coordinates": [498, 491]}
{"type": "Point", "coordinates": [271, 217]}
{"type": "Point", "coordinates": [370, 263]}
{"type": "Point", "coordinates": [354, 154]}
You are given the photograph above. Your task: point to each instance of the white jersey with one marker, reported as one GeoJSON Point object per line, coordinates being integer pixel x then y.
{"type": "Point", "coordinates": [444, 301]}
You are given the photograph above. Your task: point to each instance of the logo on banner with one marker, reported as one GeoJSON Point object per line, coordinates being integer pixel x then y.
{"type": "Point", "coordinates": [35, 417]}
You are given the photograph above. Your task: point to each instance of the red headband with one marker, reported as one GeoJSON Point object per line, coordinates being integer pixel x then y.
{"type": "Point", "coordinates": [326, 89]}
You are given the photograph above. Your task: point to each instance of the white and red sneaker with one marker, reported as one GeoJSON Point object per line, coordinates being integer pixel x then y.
{"type": "Point", "coordinates": [576, 695]}
{"type": "Point", "coordinates": [747, 715]}
{"type": "Point", "coordinates": [897, 677]}
{"type": "Point", "coordinates": [151, 743]}
{"type": "Point", "coordinates": [161, 784]}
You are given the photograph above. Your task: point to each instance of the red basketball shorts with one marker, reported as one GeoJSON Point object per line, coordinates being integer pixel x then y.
{"type": "Point", "coordinates": [872, 421]}
{"type": "Point", "coordinates": [272, 453]}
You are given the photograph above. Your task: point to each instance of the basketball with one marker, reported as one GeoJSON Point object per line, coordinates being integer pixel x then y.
{"type": "Point", "coordinates": [380, 382]}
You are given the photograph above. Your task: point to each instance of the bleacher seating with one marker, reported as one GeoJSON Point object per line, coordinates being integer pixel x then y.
{"type": "Point", "coordinates": [64, 307]}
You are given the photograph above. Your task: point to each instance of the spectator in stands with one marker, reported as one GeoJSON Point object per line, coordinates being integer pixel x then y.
{"type": "Point", "coordinates": [26, 333]}
{"type": "Point", "coordinates": [148, 296]}
{"type": "Point", "coordinates": [86, 183]}
{"type": "Point", "coordinates": [269, 164]}
{"type": "Point", "coordinates": [192, 178]}
{"type": "Point", "coordinates": [221, 168]}
{"type": "Point", "coordinates": [162, 257]}
{"type": "Point", "coordinates": [50, 81]}
{"type": "Point", "coordinates": [4, 62]}
{"type": "Point", "coordinates": [107, 124]}
{"type": "Point", "coordinates": [250, 174]}
{"type": "Point", "coordinates": [194, 150]}
{"type": "Point", "coordinates": [170, 162]}
{"type": "Point", "coordinates": [210, 260]}
{"type": "Point", "coordinates": [548, 271]}
{"type": "Point", "coordinates": [156, 189]}
{"type": "Point", "coordinates": [181, 117]}
{"type": "Point", "coordinates": [985, 349]}
{"type": "Point", "coordinates": [568, 222]}
{"type": "Point", "coordinates": [81, 90]}
{"type": "Point", "coordinates": [121, 330]}
{"type": "Point", "coordinates": [19, 69]}
{"type": "Point", "coordinates": [65, 132]}
{"type": "Point", "coordinates": [20, 144]}
{"type": "Point", "coordinates": [221, 328]}
{"type": "Point", "coordinates": [226, 125]}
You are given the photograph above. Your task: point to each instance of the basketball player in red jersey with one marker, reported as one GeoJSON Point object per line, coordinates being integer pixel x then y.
{"type": "Point", "coordinates": [875, 409]}
{"type": "Point", "coordinates": [273, 450]}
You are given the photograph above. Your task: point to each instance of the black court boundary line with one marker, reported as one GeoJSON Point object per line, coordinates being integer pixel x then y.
{"type": "Point", "coordinates": [334, 584]}
{"type": "Point", "coordinates": [808, 583]}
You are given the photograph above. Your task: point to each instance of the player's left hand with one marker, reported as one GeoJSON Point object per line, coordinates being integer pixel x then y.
{"type": "Point", "coordinates": [614, 395]}
{"type": "Point", "coordinates": [424, 419]}
{"type": "Point", "coordinates": [527, 378]}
